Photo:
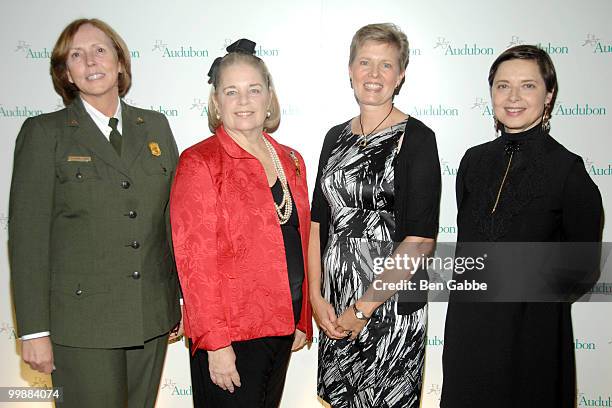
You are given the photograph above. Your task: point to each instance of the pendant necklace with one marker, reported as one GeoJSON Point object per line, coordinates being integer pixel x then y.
{"type": "Point", "coordinates": [364, 141]}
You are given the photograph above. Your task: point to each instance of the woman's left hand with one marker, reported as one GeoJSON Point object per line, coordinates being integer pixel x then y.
{"type": "Point", "coordinates": [350, 324]}
{"type": "Point", "coordinates": [177, 332]}
{"type": "Point", "coordinates": [299, 340]}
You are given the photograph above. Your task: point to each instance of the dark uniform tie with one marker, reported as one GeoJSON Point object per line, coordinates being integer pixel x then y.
{"type": "Point", "coordinates": [115, 136]}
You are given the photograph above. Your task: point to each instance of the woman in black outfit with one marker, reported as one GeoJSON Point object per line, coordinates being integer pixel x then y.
{"type": "Point", "coordinates": [521, 187]}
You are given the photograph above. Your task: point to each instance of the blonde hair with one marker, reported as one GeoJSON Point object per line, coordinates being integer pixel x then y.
{"type": "Point", "coordinates": [59, 70]}
{"type": "Point", "coordinates": [273, 121]}
{"type": "Point", "coordinates": [386, 33]}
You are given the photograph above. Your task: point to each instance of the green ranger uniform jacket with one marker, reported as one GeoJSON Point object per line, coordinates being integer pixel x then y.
{"type": "Point", "coordinates": [89, 237]}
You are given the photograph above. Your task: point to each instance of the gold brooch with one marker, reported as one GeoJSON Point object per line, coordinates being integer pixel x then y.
{"type": "Point", "coordinates": [296, 162]}
{"type": "Point", "coordinates": [155, 150]}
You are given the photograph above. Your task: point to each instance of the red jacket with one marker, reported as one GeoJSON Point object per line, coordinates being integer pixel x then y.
{"type": "Point", "coordinates": [229, 246]}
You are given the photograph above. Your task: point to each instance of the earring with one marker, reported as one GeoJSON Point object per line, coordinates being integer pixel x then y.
{"type": "Point", "coordinates": [268, 114]}
{"type": "Point", "coordinates": [218, 116]}
{"type": "Point", "coordinates": [496, 125]}
{"type": "Point", "coordinates": [546, 119]}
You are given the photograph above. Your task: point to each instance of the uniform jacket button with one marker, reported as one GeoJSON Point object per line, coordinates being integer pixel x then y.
{"type": "Point", "coordinates": [125, 184]}
{"type": "Point", "coordinates": [79, 176]}
{"type": "Point", "coordinates": [132, 214]}
{"type": "Point", "coordinates": [135, 244]}
{"type": "Point", "coordinates": [78, 292]}
{"type": "Point", "coordinates": [135, 275]}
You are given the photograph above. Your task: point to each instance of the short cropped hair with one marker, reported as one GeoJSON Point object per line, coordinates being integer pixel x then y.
{"type": "Point", "coordinates": [386, 33]}
{"type": "Point", "coordinates": [273, 121]}
{"type": "Point", "coordinates": [59, 69]}
{"type": "Point", "coordinates": [530, 53]}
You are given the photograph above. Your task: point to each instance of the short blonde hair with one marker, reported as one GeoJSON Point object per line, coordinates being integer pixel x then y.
{"type": "Point", "coordinates": [273, 121]}
{"type": "Point", "coordinates": [386, 33]}
{"type": "Point", "coordinates": [59, 70]}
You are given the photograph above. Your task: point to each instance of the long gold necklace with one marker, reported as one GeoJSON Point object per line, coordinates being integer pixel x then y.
{"type": "Point", "coordinates": [284, 209]}
{"type": "Point", "coordinates": [364, 141]}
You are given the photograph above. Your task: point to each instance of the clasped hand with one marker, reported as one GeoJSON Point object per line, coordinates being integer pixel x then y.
{"type": "Point", "coordinates": [343, 327]}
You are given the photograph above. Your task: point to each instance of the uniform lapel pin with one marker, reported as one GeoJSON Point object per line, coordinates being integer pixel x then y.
{"type": "Point", "coordinates": [296, 162]}
{"type": "Point", "coordinates": [155, 150]}
{"type": "Point", "coordinates": [139, 120]}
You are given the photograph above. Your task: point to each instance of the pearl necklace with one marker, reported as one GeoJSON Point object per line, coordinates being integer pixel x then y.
{"type": "Point", "coordinates": [286, 206]}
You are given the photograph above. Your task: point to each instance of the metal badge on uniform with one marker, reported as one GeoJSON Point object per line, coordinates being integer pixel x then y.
{"type": "Point", "coordinates": [139, 120]}
{"type": "Point", "coordinates": [79, 158]}
{"type": "Point", "coordinates": [155, 150]}
{"type": "Point", "coordinates": [296, 162]}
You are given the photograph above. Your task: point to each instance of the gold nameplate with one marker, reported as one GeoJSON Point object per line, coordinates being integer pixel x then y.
{"type": "Point", "coordinates": [155, 150]}
{"type": "Point", "coordinates": [79, 158]}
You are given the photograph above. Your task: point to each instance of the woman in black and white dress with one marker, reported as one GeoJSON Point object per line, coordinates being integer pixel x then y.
{"type": "Point", "coordinates": [378, 185]}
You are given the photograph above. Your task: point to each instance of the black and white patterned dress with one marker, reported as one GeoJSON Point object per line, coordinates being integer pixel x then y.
{"type": "Point", "coordinates": [383, 366]}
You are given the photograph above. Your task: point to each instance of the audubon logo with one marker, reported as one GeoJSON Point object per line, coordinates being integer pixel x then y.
{"type": "Point", "coordinates": [444, 46]}
{"type": "Point", "coordinates": [447, 229]}
{"type": "Point", "coordinates": [515, 41]}
{"type": "Point", "coordinates": [199, 106]}
{"type": "Point", "coordinates": [32, 53]}
{"type": "Point", "coordinates": [434, 341]}
{"type": "Point", "coordinates": [435, 390]}
{"type": "Point", "coordinates": [582, 345]}
{"type": "Point", "coordinates": [595, 170]}
{"type": "Point", "coordinates": [415, 52]}
{"type": "Point", "coordinates": [579, 109]}
{"type": "Point", "coordinates": [8, 330]}
{"type": "Point", "coordinates": [434, 110]}
{"type": "Point", "coordinates": [165, 110]}
{"type": "Point", "coordinates": [39, 382]}
{"type": "Point", "coordinates": [447, 169]}
{"type": "Point", "coordinates": [260, 50]}
{"type": "Point", "coordinates": [553, 49]}
{"type": "Point", "coordinates": [19, 111]}
{"type": "Point", "coordinates": [178, 52]}
{"type": "Point", "coordinates": [290, 110]}
{"type": "Point", "coordinates": [169, 386]}
{"type": "Point", "coordinates": [482, 106]}
{"type": "Point", "coordinates": [585, 400]}
{"type": "Point", "coordinates": [597, 45]}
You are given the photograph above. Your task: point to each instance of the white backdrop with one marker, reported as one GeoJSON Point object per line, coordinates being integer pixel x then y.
{"type": "Point", "coordinates": [306, 44]}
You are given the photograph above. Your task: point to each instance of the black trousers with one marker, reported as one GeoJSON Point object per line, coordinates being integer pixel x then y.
{"type": "Point", "coordinates": [262, 365]}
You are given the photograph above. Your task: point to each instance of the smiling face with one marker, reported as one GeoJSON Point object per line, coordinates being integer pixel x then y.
{"type": "Point", "coordinates": [375, 73]}
{"type": "Point", "coordinates": [93, 65]}
{"type": "Point", "coordinates": [519, 94]}
{"type": "Point", "coordinates": [242, 98]}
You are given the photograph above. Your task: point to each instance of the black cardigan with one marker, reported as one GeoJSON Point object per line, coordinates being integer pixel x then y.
{"type": "Point", "coordinates": [417, 187]}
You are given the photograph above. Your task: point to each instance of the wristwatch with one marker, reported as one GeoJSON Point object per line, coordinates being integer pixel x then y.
{"type": "Point", "coordinates": [359, 314]}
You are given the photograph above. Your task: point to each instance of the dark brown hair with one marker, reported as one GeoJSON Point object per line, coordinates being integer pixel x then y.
{"type": "Point", "coordinates": [59, 70]}
{"type": "Point", "coordinates": [532, 53]}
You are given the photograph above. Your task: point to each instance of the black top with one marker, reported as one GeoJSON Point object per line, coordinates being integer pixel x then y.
{"type": "Point", "coordinates": [417, 189]}
{"type": "Point", "coordinates": [517, 354]}
{"type": "Point", "coordinates": [293, 252]}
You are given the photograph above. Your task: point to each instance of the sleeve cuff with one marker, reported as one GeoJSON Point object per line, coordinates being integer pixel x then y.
{"type": "Point", "coordinates": [35, 335]}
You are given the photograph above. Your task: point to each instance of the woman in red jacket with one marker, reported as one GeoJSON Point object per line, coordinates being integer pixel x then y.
{"type": "Point", "coordinates": [240, 225]}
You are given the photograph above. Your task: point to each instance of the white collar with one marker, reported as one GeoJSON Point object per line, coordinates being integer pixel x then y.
{"type": "Point", "coordinates": [101, 120]}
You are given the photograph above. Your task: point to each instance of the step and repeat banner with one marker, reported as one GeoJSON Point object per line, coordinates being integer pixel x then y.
{"type": "Point", "coordinates": [306, 46]}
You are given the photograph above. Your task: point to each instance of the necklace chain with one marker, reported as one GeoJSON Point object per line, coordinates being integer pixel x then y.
{"type": "Point", "coordinates": [284, 209]}
{"type": "Point", "coordinates": [364, 142]}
